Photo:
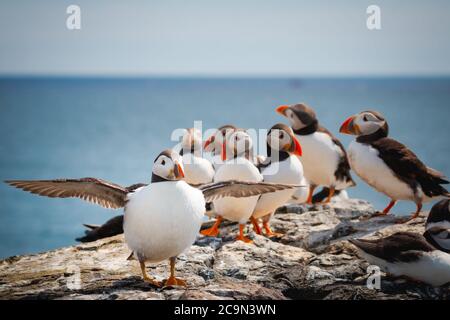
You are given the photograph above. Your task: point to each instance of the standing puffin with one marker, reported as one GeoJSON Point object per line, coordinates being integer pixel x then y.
{"type": "Point", "coordinates": [236, 149]}
{"type": "Point", "coordinates": [389, 166]}
{"type": "Point", "coordinates": [197, 170]}
{"type": "Point", "coordinates": [424, 257]}
{"type": "Point", "coordinates": [161, 219]}
{"type": "Point", "coordinates": [324, 158]}
{"type": "Point", "coordinates": [282, 165]}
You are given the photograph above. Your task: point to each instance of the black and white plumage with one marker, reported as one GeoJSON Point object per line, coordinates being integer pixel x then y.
{"type": "Point", "coordinates": [237, 165]}
{"type": "Point", "coordinates": [388, 165]}
{"type": "Point", "coordinates": [324, 157]}
{"type": "Point", "coordinates": [423, 258]}
{"type": "Point", "coordinates": [282, 165]}
{"type": "Point", "coordinates": [161, 219]}
{"type": "Point", "coordinates": [437, 227]}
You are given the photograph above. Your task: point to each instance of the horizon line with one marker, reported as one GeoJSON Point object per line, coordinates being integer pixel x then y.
{"type": "Point", "coordinates": [221, 76]}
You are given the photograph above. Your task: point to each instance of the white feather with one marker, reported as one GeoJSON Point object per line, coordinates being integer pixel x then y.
{"type": "Point", "coordinates": [320, 159]}
{"type": "Point", "coordinates": [289, 171]}
{"type": "Point", "coordinates": [432, 267]}
{"type": "Point", "coordinates": [163, 219]}
{"type": "Point", "coordinates": [365, 161]}
{"type": "Point", "coordinates": [236, 209]}
{"type": "Point", "coordinates": [197, 170]}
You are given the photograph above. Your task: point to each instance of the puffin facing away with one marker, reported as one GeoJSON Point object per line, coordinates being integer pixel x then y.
{"type": "Point", "coordinates": [324, 158]}
{"type": "Point", "coordinates": [389, 166]}
{"type": "Point", "coordinates": [161, 219]}
{"type": "Point", "coordinates": [424, 258]}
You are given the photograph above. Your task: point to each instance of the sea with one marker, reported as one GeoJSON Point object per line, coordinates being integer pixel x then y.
{"type": "Point", "coordinates": [113, 128]}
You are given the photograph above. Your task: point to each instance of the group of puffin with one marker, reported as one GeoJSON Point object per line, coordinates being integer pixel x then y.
{"type": "Point", "coordinates": [162, 219]}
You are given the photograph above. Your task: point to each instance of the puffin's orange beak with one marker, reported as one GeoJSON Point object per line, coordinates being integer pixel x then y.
{"type": "Point", "coordinates": [224, 151]}
{"type": "Point", "coordinates": [348, 126]}
{"type": "Point", "coordinates": [209, 141]}
{"type": "Point", "coordinates": [281, 110]}
{"type": "Point", "coordinates": [178, 170]}
{"type": "Point", "coordinates": [296, 147]}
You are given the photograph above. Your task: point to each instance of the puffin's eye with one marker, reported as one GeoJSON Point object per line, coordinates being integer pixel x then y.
{"type": "Point", "coordinates": [281, 135]}
{"type": "Point", "coordinates": [163, 162]}
{"type": "Point", "coordinates": [365, 119]}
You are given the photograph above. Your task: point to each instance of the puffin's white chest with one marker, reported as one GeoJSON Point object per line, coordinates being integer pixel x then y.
{"type": "Point", "coordinates": [364, 160]}
{"type": "Point", "coordinates": [237, 209]}
{"type": "Point", "coordinates": [163, 219]}
{"type": "Point", "coordinates": [289, 171]}
{"type": "Point", "coordinates": [197, 170]}
{"type": "Point", "coordinates": [320, 158]}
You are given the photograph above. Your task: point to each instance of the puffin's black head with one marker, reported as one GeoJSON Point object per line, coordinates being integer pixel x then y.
{"type": "Point", "coordinates": [300, 115]}
{"type": "Point", "coordinates": [281, 138]}
{"type": "Point", "coordinates": [366, 123]}
{"type": "Point", "coordinates": [437, 227]}
{"type": "Point", "coordinates": [167, 166]}
{"type": "Point", "coordinates": [439, 217]}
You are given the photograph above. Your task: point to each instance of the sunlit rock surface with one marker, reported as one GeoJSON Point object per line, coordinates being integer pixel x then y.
{"type": "Point", "coordinates": [312, 260]}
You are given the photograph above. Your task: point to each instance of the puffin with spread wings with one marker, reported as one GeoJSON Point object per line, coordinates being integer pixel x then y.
{"type": "Point", "coordinates": [161, 219]}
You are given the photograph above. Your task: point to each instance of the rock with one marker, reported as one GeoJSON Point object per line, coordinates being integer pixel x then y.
{"type": "Point", "coordinates": [312, 260]}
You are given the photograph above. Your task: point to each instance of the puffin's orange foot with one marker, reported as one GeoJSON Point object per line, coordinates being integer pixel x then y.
{"type": "Point", "coordinates": [256, 226]}
{"type": "Point", "coordinates": [270, 233]}
{"type": "Point", "coordinates": [172, 281]}
{"type": "Point", "coordinates": [244, 239]}
{"type": "Point", "coordinates": [210, 232]}
{"type": "Point", "coordinates": [153, 282]}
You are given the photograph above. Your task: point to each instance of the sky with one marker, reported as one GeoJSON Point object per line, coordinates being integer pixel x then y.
{"type": "Point", "coordinates": [225, 38]}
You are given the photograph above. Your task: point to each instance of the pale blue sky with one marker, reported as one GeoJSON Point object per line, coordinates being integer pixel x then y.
{"type": "Point", "coordinates": [225, 38]}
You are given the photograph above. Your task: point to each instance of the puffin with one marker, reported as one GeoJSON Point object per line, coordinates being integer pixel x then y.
{"type": "Point", "coordinates": [237, 165]}
{"type": "Point", "coordinates": [324, 157]}
{"type": "Point", "coordinates": [198, 170]}
{"type": "Point", "coordinates": [214, 143]}
{"type": "Point", "coordinates": [424, 258]}
{"type": "Point", "coordinates": [162, 219]}
{"type": "Point", "coordinates": [282, 165]}
{"type": "Point", "coordinates": [388, 165]}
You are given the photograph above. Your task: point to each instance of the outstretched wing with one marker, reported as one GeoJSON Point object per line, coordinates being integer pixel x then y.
{"type": "Point", "coordinates": [240, 189]}
{"type": "Point", "coordinates": [103, 193]}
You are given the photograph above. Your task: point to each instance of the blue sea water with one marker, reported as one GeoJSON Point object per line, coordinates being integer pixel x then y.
{"type": "Point", "coordinates": [113, 129]}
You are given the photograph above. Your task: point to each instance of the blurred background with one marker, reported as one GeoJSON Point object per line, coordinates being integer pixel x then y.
{"type": "Point", "coordinates": [103, 101]}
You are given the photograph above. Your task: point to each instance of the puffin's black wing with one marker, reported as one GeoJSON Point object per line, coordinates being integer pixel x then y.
{"type": "Point", "coordinates": [110, 228]}
{"type": "Point", "coordinates": [103, 193]}
{"type": "Point", "coordinates": [239, 189]}
{"type": "Point", "coordinates": [135, 186]}
{"type": "Point", "coordinates": [401, 247]}
{"type": "Point", "coordinates": [408, 168]}
{"type": "Point", "coordinates": [343, 170]}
